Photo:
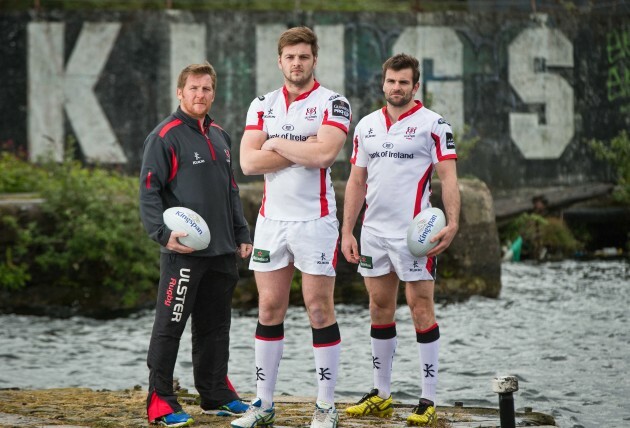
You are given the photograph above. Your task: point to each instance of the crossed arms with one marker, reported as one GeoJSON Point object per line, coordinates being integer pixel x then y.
{"type": "Point", "coordinates": [260, 155]}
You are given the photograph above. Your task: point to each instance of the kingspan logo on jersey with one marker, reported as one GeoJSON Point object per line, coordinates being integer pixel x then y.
{"type": "Point", "coordinates": [198, 159]}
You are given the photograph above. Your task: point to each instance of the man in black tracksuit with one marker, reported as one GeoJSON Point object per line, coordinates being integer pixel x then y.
{"type": "Point", "coordinates": [187, 163]}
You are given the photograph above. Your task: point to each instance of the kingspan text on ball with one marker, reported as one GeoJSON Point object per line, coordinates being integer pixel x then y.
{"type": "Point", "coordinates": [190, 221]}
{"type": "Point", "coordinates": [427, 229]}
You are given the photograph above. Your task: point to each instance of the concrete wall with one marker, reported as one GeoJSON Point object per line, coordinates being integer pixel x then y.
{"type": "Point", "coordinates": [533, 87]}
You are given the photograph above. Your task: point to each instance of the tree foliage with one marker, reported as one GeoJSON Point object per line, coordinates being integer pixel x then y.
{"type": "Point", "coordinates": [543, 237]}
{"type": "Point", "coordinates": [617, 153]}
{"type": "Point", "coordinates": [89, 235]}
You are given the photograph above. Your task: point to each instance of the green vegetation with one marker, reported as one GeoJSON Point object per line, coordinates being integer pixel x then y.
{"type": "Point", "coordinates": [88, 234]}
{"type": "Point", "coordinates": [543, 237]}
{"type": "Point", "coordinates": [617, 153]}
{"type": "Point", "coordinates": [18, 175]}
{"type": "Point", "coordinates": [465, 142]}
{"type": "Point", "coordinates": [256, 5]}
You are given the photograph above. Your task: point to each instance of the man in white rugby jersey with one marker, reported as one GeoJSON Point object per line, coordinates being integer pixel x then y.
{"type": "Point", "coordinates": [292, 136]}
{"type": "Point", "coordinates": [396, 150]}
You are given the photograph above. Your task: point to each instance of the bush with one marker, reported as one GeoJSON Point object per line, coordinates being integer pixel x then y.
{"type": "Point", "coordinates": [18, 175]}
{"type": "Point", "coordinates": [617, 152]}
{"type": "Point", "coordinates": [90, 237]}
{"type": "Point", "coordinates": [543, 237]}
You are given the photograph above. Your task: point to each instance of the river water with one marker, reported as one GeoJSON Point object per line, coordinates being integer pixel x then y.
{"type": "Point", "coordinates": [562, 328]}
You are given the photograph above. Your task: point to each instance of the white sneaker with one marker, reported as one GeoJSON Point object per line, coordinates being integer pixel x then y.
{"type": "Point", "coordinates": [325, 417]}
{"type": "Point", "coordinates": [255, 416]}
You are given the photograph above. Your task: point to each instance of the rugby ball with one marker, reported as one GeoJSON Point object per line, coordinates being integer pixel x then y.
{"type": "Point", "coordinates": [422, 229]}
{"type": "Point", "coordinates": [183, 219]}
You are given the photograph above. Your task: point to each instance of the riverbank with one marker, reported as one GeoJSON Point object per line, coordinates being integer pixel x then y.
{"type": "Point", "coordinates": [82, 407]}
{"type": "Point", "coordinates": [583, 308]}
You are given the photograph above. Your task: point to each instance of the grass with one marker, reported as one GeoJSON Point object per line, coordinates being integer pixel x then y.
{"type": "Point", "coordinates": [252, 5]}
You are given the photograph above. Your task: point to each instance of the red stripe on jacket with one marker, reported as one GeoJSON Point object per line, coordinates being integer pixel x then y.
{"type": "Point", "coordinates": [172, 124]}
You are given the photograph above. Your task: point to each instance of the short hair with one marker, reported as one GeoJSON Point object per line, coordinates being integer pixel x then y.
{"type": "Point", "coordinates": [197, 69]}
{"type": "Point", "coordinates": [402, 62]}
{"type": "Point", "coordinates": [296, 35]}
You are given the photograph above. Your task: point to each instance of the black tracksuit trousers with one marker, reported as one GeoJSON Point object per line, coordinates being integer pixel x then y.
{"type": "Point", "coordinates": [201, 287]}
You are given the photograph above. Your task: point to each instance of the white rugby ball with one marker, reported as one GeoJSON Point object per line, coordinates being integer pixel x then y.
{"type": "Point", "coordinates": [422, 229]}
{"type": "Point", "coordinates": [182, 219]}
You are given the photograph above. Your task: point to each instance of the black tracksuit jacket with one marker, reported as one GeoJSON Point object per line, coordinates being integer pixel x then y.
{"type": "Point", "coordinates": [188, 164]}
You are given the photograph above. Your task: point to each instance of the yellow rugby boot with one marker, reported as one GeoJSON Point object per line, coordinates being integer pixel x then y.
{"type": "Point", "coordinates": [423, 414]}
{"type": "Point", "coordinates": [372, 404]}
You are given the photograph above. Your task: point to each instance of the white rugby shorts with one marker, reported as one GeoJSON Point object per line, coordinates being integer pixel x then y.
{"type": "Point", "coordinates": [380, 256]}
{"type": "Point", "coordinates": [312, 246]}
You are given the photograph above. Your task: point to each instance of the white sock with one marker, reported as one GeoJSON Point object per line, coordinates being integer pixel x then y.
{"type": "Point", "coordinates": [383, 351]}
{"type": "Point", "coordinates": [269, 345]}
{"type": "Point", "coordinates": [327, 350]}
{"type": "Point", "coordinates": [428, 348]}
{"type": "Point", "coordinates": [384, 343]}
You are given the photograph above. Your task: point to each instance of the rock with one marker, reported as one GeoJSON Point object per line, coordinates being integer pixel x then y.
{"type": "Point", "coordinates": [471, 266]}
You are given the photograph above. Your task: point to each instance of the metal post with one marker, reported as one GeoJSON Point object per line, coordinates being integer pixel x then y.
{"type": "Point", "coordinates": [505, 386]}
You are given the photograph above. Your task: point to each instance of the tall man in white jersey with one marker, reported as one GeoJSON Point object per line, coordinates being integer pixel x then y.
{"type": "Point", "coordinates": [396, 149]}
{"type": "Point", "coordinates": [293, 136]}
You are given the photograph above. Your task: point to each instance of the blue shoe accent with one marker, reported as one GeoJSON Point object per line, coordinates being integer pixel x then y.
{"type": "Point", "coordinates": [233, 408]}
{"type": "Point", "coordinates": [173, 420]}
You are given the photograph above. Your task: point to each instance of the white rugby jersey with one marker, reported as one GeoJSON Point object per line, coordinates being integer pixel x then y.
{"type": "Point", "coordinates": [298, 193]}
{"type": "Point", "coordinates": [399, 160]}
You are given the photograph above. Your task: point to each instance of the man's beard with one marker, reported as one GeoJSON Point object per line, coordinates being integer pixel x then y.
{"type": "Point", "coordinates": [301, 81]}
{"type": "Point", "coordinates": [406, 98]}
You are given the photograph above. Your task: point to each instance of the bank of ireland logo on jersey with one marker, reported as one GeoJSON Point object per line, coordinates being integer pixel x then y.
{"type": "Point", "coordinates": [366, 262]}
{"type": "Point", "coordinates": [261, 256]}
{"type": "Point", "coordinates": [311, 113]}
{"type": "Point", "coordinates": [411, 132]}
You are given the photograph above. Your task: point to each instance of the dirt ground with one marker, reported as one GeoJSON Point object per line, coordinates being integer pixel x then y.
{"type": "Point", "coordinates": [80, 407]}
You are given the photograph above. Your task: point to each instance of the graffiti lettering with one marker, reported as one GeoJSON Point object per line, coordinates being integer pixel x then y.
{"type": "Point", "coordinates": [53, 89]}
{"type": "Point", "coordinates": [618, 50]}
